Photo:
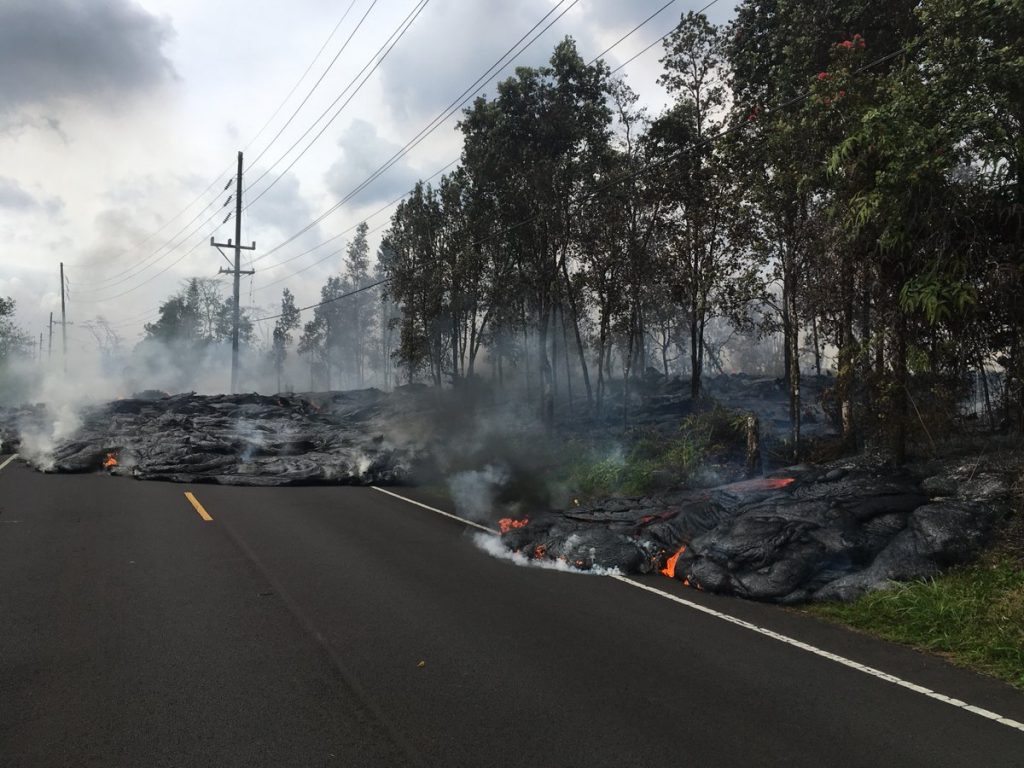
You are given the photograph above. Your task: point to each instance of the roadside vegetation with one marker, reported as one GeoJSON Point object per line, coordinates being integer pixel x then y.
{"type": "Point", "coordinates": [972, 615]}
{"type": "Point", "coordinates": [696, 453]}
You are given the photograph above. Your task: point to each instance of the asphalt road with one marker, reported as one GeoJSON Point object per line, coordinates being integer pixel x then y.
{"type": "Point", "coordinates": [342, 626]}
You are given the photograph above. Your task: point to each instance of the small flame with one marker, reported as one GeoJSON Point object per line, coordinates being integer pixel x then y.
{"type": "Point", "coordinates": [670, 564]}
{"type": "Point", "coordinates": [110, 461]}
{"type": "Point", "coordinates": [539, 552]}
{"type": "Point", "coordinates": [507, 524]}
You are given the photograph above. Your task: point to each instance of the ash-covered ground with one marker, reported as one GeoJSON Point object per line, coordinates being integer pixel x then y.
{"type": "Point", "coordinates": [802, 533]}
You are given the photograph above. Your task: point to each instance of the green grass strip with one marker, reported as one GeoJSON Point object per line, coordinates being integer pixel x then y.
{"type": "Point", "coordinates": [974, 615]}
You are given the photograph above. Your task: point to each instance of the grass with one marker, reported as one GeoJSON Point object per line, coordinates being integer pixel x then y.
{"type": "Point", "coordinates": [972, 615]}
{"type": "Point", "coordinates": [652, 460]}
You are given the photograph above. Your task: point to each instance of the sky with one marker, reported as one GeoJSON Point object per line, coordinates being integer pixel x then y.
{"type": "Point", "coordinates": [120, 121]}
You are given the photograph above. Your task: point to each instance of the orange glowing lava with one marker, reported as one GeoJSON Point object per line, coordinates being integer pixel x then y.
{"type": "Point", "coordinates": [507, 524]}
{"type": "Point", "coordinates": [670, 564]}
{"type": "Point", "coordinates": [110, 461]}
{"type": "Point", "coordinates": [759, 484]}
{"type": "Point", "coordinates": [539, 552]}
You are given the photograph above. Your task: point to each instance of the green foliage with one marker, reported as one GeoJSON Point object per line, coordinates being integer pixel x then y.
{"type": "Point", "coordinates": [656, 461]}
{"type": "Point", "coordinates": [974, 614]}
{"type": "Point", "coordinates": [196, 316]}
{"type": "Point", "coordinates": [282, 335]}
{"type": "Point", "coordinates": [13, 340]}
{"type": "Point", "coordinates": [937, 299]}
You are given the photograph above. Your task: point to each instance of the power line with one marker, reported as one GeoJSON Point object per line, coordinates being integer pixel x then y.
{"type": "Point", "coordinates": [303, 77]}
{"type": "Point", "coordinates": [379, 211]}
{"type": "Point", "coordinates": [220, 176]}
{"type": "Point", "coordinates": [114, 280]}
{"type": "Point", "coordinates": [641, 24]}
{"type": "Point", "coordinates": [387, 166]}
{"type": "Point", "coordinates": [724, 132]}
{"type": "Point", "coordinates": [635, 56]}
{"type": "Point", "coordinates": [325, 301]}
{"type": "Point", "coordinates": [416, 10]}
{"type": "Point", "coordinates": [389, 44]}
{"type": "Point", "coordinates": [156, 257]}
{"type": "Point", "coordinates": [431, 126]}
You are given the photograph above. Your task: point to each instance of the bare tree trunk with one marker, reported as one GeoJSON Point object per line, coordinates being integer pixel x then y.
{"type": "Point", "coordinates": [576, 331]}
{"type": "Point", "coordinates": [568, 365]}
{"type": "Point", "coordinates": [602, 368]}
{"type": "Point", "coordinates": [753, 445]}
{"type": "Point", "coordinates": [793, 374]}
{"type": "Point", "coordinates": [547, 402]}
{"type": "Point", "coordinates": [817, 348]}
{"type": "Point", "coordinates": [844, 376]}
{"type": "Point", "coordinates": [626, 369]}
{"type": "Point", "coordinates": [554, 352]}
{"type": "Point", "coordinates": [696, 347]}
{"type": "Point", "coordinates": [984, 387]}
{"type": "Point", "coordinates": [526, 361]}
{"type": "Point", "coordinates": [900, 447]}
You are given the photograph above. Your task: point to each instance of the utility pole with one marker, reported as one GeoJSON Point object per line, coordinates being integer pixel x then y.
{"type": "Point", "coordinates": [49, 346]}
{"type": "Point", "coordinates": [63, 320]}
{"type": "Point", "coordinates": [236, 271]}
{"type": "Point", "coordinates": [40, 358]}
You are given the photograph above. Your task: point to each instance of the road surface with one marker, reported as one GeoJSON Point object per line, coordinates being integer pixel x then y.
{"type": "Point", "coordinates": [347, 627]}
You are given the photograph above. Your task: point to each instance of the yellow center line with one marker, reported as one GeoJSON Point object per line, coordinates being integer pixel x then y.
{"type": "Point", "coordinates": [199, 507]}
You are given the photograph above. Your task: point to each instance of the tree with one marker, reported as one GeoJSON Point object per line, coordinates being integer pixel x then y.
{"type": "Point", "coordinates": [710, 274]}
{"type": "Point", "coordinates": [535, 150]}
{"type": "Point", "coordinates": [285, 324]}
{"type": "Point", "coordinates": [13, 340]}
{"type": "Point", "coordinates": [357, 307]}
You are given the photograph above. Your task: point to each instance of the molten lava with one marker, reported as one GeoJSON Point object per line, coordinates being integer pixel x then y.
{"type": "Point", "coordinates": [110, 461]}
{"type": "Point", "coordinates": [759, 484]}
{"type": "Point", "coordinates": [670, 564]}
{"type": "Point", "coordinates": [507, 524]}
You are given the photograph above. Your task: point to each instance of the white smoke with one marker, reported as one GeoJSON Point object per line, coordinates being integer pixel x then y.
{"type": "Point", "coordinates": [475, 491]}
{"type": "Point", "coordinates": [492, 545]}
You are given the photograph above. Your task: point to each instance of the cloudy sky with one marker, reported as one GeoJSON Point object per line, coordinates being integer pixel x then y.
{"type": "Point", "coordinates": [120, 121]}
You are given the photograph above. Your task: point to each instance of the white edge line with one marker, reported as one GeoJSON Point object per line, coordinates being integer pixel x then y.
{"type": "Point", "coordinates": [10, 458]}
{"type": "Point", "coordinates": [825, 654]}
{"type": "Point", "coordinates": [433, 509]}
{"type": "Point", "coordinates": [987, 714]}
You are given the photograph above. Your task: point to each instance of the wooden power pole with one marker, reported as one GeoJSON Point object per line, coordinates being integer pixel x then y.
{"type": "Point", "coordinates": [63, 321]}
{"type": "Point", "coordinates": [236, 271]}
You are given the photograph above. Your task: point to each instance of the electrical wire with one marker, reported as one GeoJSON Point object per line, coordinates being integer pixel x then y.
{"type": "Point", "coordinates": [305, 99]}
{"type": "Point", "coordinates": [229, 167]}
{"type": "Point", "coordinates": [431, 126]}
{"type": "Point", "coordinates": [448, 111]}
{"type": "Point", "coordinates": [724, 132]}
{"type": "Point", "coordinates": [386, 48]}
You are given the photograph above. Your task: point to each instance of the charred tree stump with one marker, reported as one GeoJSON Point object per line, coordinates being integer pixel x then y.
{"type": "Point", "coordinates": [753, 445]}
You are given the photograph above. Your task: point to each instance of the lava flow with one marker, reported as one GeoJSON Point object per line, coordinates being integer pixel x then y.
{"type": "Point", "coordinates": [759, 484]}
{"type": "Point", "coordinates": [670, 564]}
{"type": "Point", "coordinates": [507, 524]}
{"type": "Point", "coordinates": [110, 461]}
